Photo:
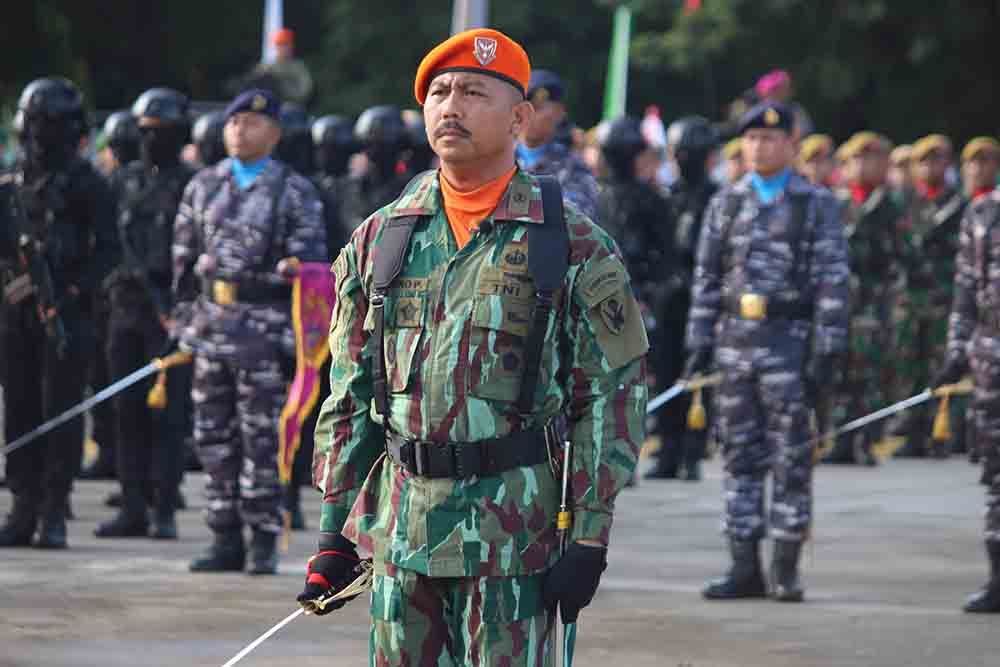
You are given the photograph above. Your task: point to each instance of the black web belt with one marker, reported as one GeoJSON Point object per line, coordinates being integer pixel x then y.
{"type": "Point", "coordinates": [228, 292]}
{"type": "Point", "coordinates": [461, 460]}
{"type": "Point", "coordinates": [775, 310]}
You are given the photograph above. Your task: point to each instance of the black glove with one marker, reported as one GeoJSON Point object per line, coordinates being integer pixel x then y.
{"type": "Point", "coordinates": [332, 568]}
{"type": "Point", "coordinates": [954, 369]}
{"type": "Point", "coordinates": [698, 362]}
{"type": "Point", "coordinates": [572, 581]}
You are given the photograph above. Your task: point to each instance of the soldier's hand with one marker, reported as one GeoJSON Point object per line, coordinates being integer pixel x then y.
{"type": "Point", "coordinates": [954, 369]}
{"type": "Point", "coordinates": [572, 581]}
{"type": "Point", "coordinates": [698, 362]}
{"type": "Point", "coordinates": [289, 267]}
{"type": "Point", "coordinates": [329, 570]}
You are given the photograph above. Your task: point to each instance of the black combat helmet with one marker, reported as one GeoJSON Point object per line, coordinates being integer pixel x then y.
{"type": "Point", "coordinates": [295, 147]}
{"type": "Point", "coordinates": [333, 137]}
{"type": "Point", "coordinates": [382, 134]}
{"type": "Point", "coordinates": [166, 104]}
{"type": "Point", "coordinates": [420, 155]}
{"type": "Point", "coordinates": [621, 141]}
{"type": "Point", "coordinates": [122, 134]}
{"type": "Point", "coordinates": [50, 120]}
{"type": "Point", "coordinates": [691, 139]}
{"type": "Point", "coordinates": [53, 98]}
{"type": "Point", "coordinates": [207, 136]}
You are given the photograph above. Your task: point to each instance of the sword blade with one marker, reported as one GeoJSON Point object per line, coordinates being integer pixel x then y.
{"type": "Point", "coordinates": [664, 398]}
{"type": "Point", "coordinates": [883, 413]}
{"type": "Point", "coordinates": [264, 637]}
{"type": "Point", "coordinates": [80, 408]}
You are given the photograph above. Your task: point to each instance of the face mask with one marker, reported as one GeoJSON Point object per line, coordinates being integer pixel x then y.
{"type": "Point", "coordinates": [48, 141]}
{"type": "Point", "coordinates": [161, 146]}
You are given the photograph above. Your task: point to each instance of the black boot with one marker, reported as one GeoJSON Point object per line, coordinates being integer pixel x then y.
{"type": "Point", "coordinates": [227, 554]}
{"type": "Point", "coordinates": [744, 579]}
{"type": "Point", "coordinates": [264, 553]}
{"type": "Point", "coordinates": [667, 462]}
{"type": "Point", "coordinates": [987, 599]}
{"type": "Point", "coordinates": [20, 524]}
{"type": "Point", "coordinates": [694, 452]}
{"type": "Point", "coordinates": [131, 520]}
{"type": "Point", "coordinates": [52, 531]}
{"type": "Point", "coordinates": [785, 572]}
{"type": "Point", "coordinates": [164, 524]}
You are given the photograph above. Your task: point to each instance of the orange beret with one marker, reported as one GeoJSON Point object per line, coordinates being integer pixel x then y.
{"type": "Point", "coordinates": [483, 51]}
{"type": "Point", "coordinates": [283, 36]}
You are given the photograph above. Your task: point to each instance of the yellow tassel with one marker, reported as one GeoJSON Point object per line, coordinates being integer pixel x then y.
{"type": "Point", "coordinates": [156, 399]}
{"type": "Point", "coordinates": [697, 419]}
{"type": "Point", "coordinates": [942, 421]}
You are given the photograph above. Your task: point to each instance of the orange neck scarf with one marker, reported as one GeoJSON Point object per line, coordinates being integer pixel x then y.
{"type": "Point", "coordinates": [465, 210]}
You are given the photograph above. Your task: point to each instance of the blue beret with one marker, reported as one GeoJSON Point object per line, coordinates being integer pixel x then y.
{"type": "Point", "coordinates": [545, 85]}
{"type": "Point", "coordinates": [768, 115]}
{"type": "Point", "coordinates": [258, 100]}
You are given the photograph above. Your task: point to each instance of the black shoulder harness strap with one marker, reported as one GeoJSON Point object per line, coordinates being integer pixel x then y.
{"type": "Point", "coordinates": [548, 261]}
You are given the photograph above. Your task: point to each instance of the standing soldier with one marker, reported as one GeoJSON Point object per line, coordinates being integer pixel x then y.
{"type": "Point", "coordinates": [691, 141]}
{"type": "Point", "coordinates": [333, 138]}
{"type": "Point", "coordinates": [150, 442]}
{"type": "Point", "coordinates": [732, 153]}
{"type": "Point", "coordinates": [488, 337]}
{"type": "Point", "coordinates": [980, 161]}
{"type": "Point", "coordinates": [770, 300]}
{"type": "Point", "coordinates": [929, 238]}
{"type": "Point", "coordinates": [816, 160]}
{"type": "Point", "coordinates": [974, 341]}
{"type": "Point", "coordinates": [207, 137]}
{"type": "Point", "coordinates": [296, 147]}
{"type": "Point", "coordinates": [122, 135]}
{"type": "Point", "coordinates": [900, 176]}
{"type": "Point", "coordinates": [58, 244]}
{"type": "Point", "coordinates": [870, 220]}
{"type": "Point", "coordinates": [381, 134]}
{"type": "Point", "coordinates": [539, 151]}
{"type": "Point", "coordinates": [239, 227]}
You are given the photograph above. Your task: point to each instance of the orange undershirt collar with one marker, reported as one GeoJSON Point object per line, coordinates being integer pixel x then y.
{"type": "Point", "coordinates": [465, 210]}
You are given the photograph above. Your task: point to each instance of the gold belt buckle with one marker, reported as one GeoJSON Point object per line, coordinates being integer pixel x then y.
{"type": "Point", "coordinates": [223, 292]}
{"type": "Point", "coordinates": [753, 306]}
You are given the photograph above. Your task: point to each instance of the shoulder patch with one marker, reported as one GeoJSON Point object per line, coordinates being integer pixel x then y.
{"type": "Point", "coordinates": [601, 280]}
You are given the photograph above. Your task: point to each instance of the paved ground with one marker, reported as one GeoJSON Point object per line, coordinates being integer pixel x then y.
{"type": "Point", "coordinates": [896, 549]}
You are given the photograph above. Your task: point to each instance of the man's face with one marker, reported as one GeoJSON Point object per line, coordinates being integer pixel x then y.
{"type": "Point", "coordinates": [931, 168]}
{"type": "Point", "coordinates": [900, 174]}
{"type": "Point", "coordinates": [542, 127]}
{"type": "Point", "coordinates": [735, 168]}
{"type": "Point", "coordinates": [250, 136]}
{"type": "Point", "coordinates": [818, 170]}
{"type": "Point", "coordinates": [980, 171]}
{"type": "Point", "coordinates": [767, 150]}
{"type": "Point", "coordinates": [473, 117]}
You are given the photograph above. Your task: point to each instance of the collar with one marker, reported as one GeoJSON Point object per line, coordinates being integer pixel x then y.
{"type": "Point", "coordinates": [246, 173]}
{"type": "Point", "coordinates": [520, 202]}
{"type": "Point", "coordinates": [770, 189]}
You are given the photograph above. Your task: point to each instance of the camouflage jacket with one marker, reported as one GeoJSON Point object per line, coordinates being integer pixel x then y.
{"type": "Point", "coordinates": [929, 237]}
{"type": "Point", "coordinates": [874, 254]}
{"type": "Point", "coordinates": [763, 250]}
{"type": "Point", "coordinates": [578, 184]}
{"type": "Point", "coordinates": [455, 327]}
{"type": "Point", "coordinates": [977, 277]}
{"type": "Point", "coordinates": [246, 238]}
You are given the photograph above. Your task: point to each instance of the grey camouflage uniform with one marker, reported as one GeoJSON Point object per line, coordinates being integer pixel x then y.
{"type": "Point", "coordinates": [763, 401]}
{"type": "Point", "coordinates": [578, 184]}
{"type": "Point", "coordinates": [239, 383]}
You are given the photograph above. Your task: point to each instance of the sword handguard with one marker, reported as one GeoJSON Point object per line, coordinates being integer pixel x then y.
{"type": "Point", "coordinates": [357, 587]}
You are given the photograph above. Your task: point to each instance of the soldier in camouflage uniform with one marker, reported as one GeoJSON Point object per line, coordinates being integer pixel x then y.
{"type": "Point", "coordinates": [238, 224]}
{"type": "Point", "coordinates": [382, 136]}
{"type": "Point", "coordinates": [974, 341]}
{"type": "Point", "coordinates": [929, 240]}
{"type": "Point", "coordinates": [870, 220]}
{"type": "Point", "coordinates": [772, 272]}
{"type": "Point", "coordinates": [150, 442]}
{"type": "Point", "coordinates": [466, 556]}
{"type": "Point", "coordinates": [333, 137]}
{"type": "Point", "coordinates": [206, 135]}
{"type": "Point", "coordinates": [540, 153]}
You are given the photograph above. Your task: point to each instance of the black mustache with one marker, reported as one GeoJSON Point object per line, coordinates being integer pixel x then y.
{"type": "Point", "coordinates": [449, 126]}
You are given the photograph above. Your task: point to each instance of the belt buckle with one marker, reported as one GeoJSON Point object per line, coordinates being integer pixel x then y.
{"type": "Point", "coordinates": [753, 306]}
{"type": "Point", "coordinates": [224, 292]}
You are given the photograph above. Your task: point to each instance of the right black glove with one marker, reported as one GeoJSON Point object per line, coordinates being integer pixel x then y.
{"type": "Point", "coordinates": [572, 581]}
{"type": "Point", "coordinates": [698, 362]}
{"type": "Point", "coordinates": [954, 369]}
{"type": "Point", "coordinates": [328, 571]}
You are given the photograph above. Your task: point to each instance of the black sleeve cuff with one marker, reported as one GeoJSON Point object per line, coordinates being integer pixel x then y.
{"type": "Point", "coordinates": [336, 542]}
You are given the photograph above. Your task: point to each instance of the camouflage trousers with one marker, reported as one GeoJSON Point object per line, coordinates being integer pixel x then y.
{"type": "Point", "coordinates": [985, 364]}
{"type": "Point", "coordinates": [860, 389]}
{"type": "Point", "coordinates": [236, 412]}
{"type": "Point", "coordinates": [419, 621]}
{"type": "Point", "coordinates": [763, 426]}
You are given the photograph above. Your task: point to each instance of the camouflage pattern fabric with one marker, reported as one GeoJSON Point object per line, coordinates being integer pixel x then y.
{"type": "Point", "coordinates": [239, 384]}
{"type": "Point", "coordinates": [487, 622]}
{"type": "Point", "coordinates": [455, 327]}
{"type": "Point", "coordinates": [577, 181]}
{"type": "Point", "coordinates": [929, 243]}
{"type": "Point", "coordinates": [874, 258]}
{"type": "Point", "coordinates": [974, 335]}
{"type": "Point", "coordinates": [763, 405]}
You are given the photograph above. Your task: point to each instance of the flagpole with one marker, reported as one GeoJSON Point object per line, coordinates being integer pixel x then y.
{"type": "Point", "coordinates": [273, 21]}
{"type": "Point", "coordinates": [469, 14]}
{"type": "Point", "coordinates": [616, 83]}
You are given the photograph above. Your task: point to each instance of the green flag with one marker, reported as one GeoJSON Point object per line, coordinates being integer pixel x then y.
{"type": "Point", "coordinates": [616, 85]}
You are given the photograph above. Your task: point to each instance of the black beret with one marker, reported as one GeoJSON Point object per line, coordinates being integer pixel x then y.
{"type": "Point", "coordinates": [258, 100]}
{"type": "Point", "coordinates": [545, 85]}
{"type": "Point", "coordinates": [768, 115]}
